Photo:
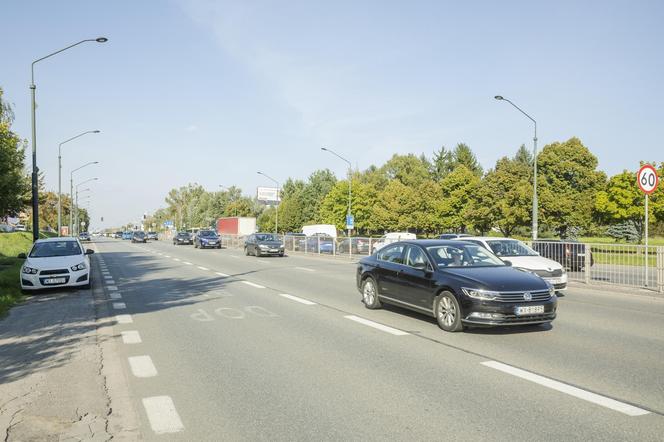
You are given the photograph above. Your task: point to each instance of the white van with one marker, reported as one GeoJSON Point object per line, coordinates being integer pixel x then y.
{"type": "Point", "coordinates": [391, 237]}
{"type": "Point", "coordinates": [324, 229]}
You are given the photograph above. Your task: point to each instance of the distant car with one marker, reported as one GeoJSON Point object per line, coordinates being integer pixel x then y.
{"type": "Point", "coordinates": [84, 236]}
{"type": "Point", "coordinates": [153, 236]}
{"type": "Point", "coordinates": [20, 228]}
{"type": "Point", "coordinates": [182, 238]}
{"type": "Point", "coordinates": [318, 243]}
{"type": "Point", "coordinates": [56, 262]}
{"type": "Point", "coordinates": [520, 256]}
{"type": "Point", "coordinates": [571, 254]}
{"type": "Point", "coordinates": [391, 237]}
{"type": "Point", "coordinates": [259, 244]}
{"type": "Point", "coordinates": [357, 246]}
{"type": "Point", "coordinates": [126, 235]}
{"type": "Point", "coordinates": [453, 235]}
{"type": "Point", "coordinates": [293, 240]}
{"type": "Point", "coordinates": [6, 228]}
{"type": "Point", "coordinates": [207, 239]}
{"type": "Point", "coordinates": [138, 237]}
{"type": "Point", "coordinates": [117, 235]}
{"type": "Point", "coordinates": [458, 283]}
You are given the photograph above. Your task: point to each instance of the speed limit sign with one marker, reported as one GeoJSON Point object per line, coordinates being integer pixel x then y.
{"type": "Point", "coordinates": [647, 179]}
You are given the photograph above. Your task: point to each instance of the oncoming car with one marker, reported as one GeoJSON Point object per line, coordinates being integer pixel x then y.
{"type": "Point", "coordinates": [458, 283]}
{"type": "Point", "coordinates": [207, 238]}
{"type": "Point", "coordinates": [56, 262]}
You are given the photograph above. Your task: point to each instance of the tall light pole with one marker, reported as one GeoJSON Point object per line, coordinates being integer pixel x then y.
{"type": "Point", "coordinates": [534, 216]}
{"type": "Point", "coordinates": [87, 197]}
{"type": "Point", "coordinates": [35, 169]}
{"type": "Point", "coordinates": [350, 180]}
{"type": "Point", "coordinates": [71, 194]}
{"type": "Point", "coordinates": [276, 216]}
{"type": "Point", "coordinates": [60, 175]}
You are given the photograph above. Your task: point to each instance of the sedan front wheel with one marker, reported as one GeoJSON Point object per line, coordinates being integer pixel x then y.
{"type": "Point", "coordinates": [448, 313]}
{"type": "Point", "coordinates": [370, 294]}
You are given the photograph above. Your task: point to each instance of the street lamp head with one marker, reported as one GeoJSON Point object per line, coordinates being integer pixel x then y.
{"type": "Point", "coordinates": [95, 162]}
{"type": "Point", "coordinates": [96, 131]}
{"type": "Point", "coordinates": [499, 97]}
{"type": "Point", "coordinates": [323, 148]}
{"type": "Point", "coordinates": [260, 173]}
{"type": "Point", "coordinates": [101, 39]}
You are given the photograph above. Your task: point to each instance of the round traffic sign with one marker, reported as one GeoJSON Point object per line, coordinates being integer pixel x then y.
{"type": "Point", "coordinates": [647, 178]}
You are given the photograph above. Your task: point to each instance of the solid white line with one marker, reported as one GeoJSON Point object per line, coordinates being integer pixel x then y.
{"type": "Point", "coordinates": [142, 366]}
{"type": "Point", "coordinates": [376, 325]}
{"type": "Point", "coordinates": [188, 263]}
{"type": "Point", "coordinates": [115, 295]}
{"type": "Point", "coordinates": [123, 319]}
{"type": "Point", "coordinates": [296, 299]}
{"type": "Point", "coordinates": [162, 414]}
{"type": "Point", "coordinates": [119, 305]}
{"type": "Point", "coordinates": [202, 268]}
{"type": "Point", "coordinates": [221, 274]}
{"type": "Point", "coordinates": [131, 337]}
{"type": "Point", "coordinates": [258, 286]}
{"type": "Point", "coordinates": [305, 269]}
{"type": "Point", "coordinates": [622, 407]}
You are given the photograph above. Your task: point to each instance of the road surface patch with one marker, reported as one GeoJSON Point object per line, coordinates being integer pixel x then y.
{"type": "Point", "coordinates": [131, 337]}
{"type": "Point", "coordinates": [162, 414]}
{"type": "Point", "coordinates": [604, 401]}
{"type": "Point", "coordinates": [296, 299]}
{"type": "Point", "coordinates": [376, 325]}
{"type": "Point", "coordinates": [142, 366]}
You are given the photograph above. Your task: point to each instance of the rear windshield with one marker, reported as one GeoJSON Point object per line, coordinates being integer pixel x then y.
{"type": "Point", "coordinates": [55, 248]}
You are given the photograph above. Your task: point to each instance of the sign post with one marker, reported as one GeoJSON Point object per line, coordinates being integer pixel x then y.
{"type": "Point", "coordinates": [647, 180]}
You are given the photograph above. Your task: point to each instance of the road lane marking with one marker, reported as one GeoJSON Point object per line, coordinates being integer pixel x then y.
{"type": "Point", "coordinates": [142, 366]}
{"type": "Point", "coordinates": [234, 256]}
{"type": "Point", "coordinates": [305, 269]}
{"type": "Point", "coordinates": [376, 325]}
{"type": "Point", "coordinates": [264, 261]}
{"type": "Point", "coordinates": [296, 299]}
{"type": "Point", "coordinates": [119, 305]}
{"type": "Point", "coordinates": [112, 288]}
{"type": "Point", "coordinates": [203, 268]}
{"type": "Point", "coordinates": [110, 281]}
{"type": "Point", "coordinates": [604, 401]}
{"type": "Point", "coordinates": [167, 256]}
{"type": "Point", "coordinates": [115, 295]}
{"type": "Point", "coordinates": [188, 263]}
{"type": "Point", "coordinates": [107, 275]}
{"type": "Point", "coordinates": [131, 337]}
{"type": "Point", "coordinates": [176, 259]}
{"type": "Point", "coordinates": [252, 284]}
{"type": "Point", "coordinates": [124, 319]}
{"type": "Point", "coordinates": [162, 414]}
{"type": "Point", "coordinates": [221, 274]}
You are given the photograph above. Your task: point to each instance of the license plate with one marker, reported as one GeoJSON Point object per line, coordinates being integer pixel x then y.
{"type": "Point", "coordinates": [529, 310]}
{"type": "Point", "coordinates": [54, 281]}
{"type": "Point", "coordinates": [555, 280]}
{"type": "Point", "coordinates": [274, 250]}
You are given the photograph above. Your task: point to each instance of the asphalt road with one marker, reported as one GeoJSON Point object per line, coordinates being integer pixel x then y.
{"type": "Point", "coordinates": [213, 350]}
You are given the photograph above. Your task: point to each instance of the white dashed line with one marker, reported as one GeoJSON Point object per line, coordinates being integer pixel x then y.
{"type": "Point", "coordinates": [221, 274]}
{"type": "Point", "coordinates": [110, 281]}
{"type": "Point", "coordinates": [162, 414]}
{"type": "Point", "coordinates": [377, 326]}
{"type": "Point", "coordinates": [112, 288]}
{"type": "Point", "coordinates": [176, 259]}
{"type": "Point", "coordinates": [252, 284]}
{"type": "Point", "coordinates": [142, 366]}
{"type": "Point", "coordinates": [264, 261]}
{"type": "Point", "coordinates": [234, 256]}
{"type": "Point", "coordinates": [131, 337]}
{"type": "Point", "coordinates": [123, 319]}
{"type": "Point", "coordinates": [203, 268]}
{"type": "Point", "coordinates": [167, 256]}
{"type": "Point", "coordinates": [305, 269]}
{"type": "Point", "coordinates": [622, 407]}
{"type": "Point", "coordinates": [119, 305]}
{"type": "Point", "coordinates": [115, 295]}
{"type": "Point", "coordinates": [296, 299]}
{"type": "Point", "coordinates": [107, 275]}
{"type": "Point", "coordinates": [188, 263]}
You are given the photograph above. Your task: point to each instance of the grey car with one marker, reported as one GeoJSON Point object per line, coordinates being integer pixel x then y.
{"type": "Point", "coordinates": [259, 244]}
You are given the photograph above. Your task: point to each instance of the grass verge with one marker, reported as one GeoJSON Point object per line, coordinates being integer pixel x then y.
{"type": "Point", "coordinates": [11, 244]}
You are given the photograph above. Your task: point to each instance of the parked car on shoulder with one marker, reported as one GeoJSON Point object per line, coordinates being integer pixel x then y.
{"type": "Point", "coordinates": [84, 236]}
{"type": "Point", "coordinates": [6, 228]}
{"type": "Point", "coordinates": [117, 235]}
{"type": "Point", "coordinates": [56, 262]}
{"type": "Point", "coordinates": [153, 236]}
{"type": "Point", "coordinates": [356, 246]}
{"type": "Point", "coordinates": [459, 283]}
{"type": "Point", "coordinates": [453, 235]}
{"type": "Point", "coordinates": [259, 244]}
{"type": "Point", "coordinates": [318, 243]}
{"type": "Point", "coordinates": [20, 228]}
{"type": "Point", "coordinates": [571, 254]}
{"type": "Point", "coordinates": [391, 237]}
{"type": "Point", "coordinates": [207, 239]}
{"type": "Point", "coordinates": [182, 238]}
{"type": "Point", "coordinates": [520, 256]}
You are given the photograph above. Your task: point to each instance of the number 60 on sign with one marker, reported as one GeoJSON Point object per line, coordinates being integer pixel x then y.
{"type": "Point", "coordinates": [647, 179]}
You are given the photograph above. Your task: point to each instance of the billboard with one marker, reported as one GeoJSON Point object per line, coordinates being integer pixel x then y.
{"type": "Point", "coordinates": [267, 194]}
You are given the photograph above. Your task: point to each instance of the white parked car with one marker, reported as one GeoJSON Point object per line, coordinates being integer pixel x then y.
{"type": "Point", "coordinates": [391, 237]}
{"type": "Point", "coordinates": [523, 257]}
{"type": "Point", "coordinates": [56, 262]}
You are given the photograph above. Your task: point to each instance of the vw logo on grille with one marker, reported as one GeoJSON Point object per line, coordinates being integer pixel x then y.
{"type": "Point", "coordinates": [527, 296]}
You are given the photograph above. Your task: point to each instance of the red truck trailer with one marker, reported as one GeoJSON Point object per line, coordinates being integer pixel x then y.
{"type": "Point", "coordinates": [236, 225]}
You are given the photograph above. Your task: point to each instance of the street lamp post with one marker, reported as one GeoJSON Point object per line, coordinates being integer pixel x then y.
{"type": "Point", "coordinates": [71, 194]}
{"type": "Point", "coordinates": [87, 196]}
{"type": "Point", "coordinates": [534, 216]}
{"type": "Point", "coordinates": [276, 216]}
{"type": "Point", "coordinates": [60, 175]}
{"type": "Point", "coordinates": [350, 180]}
{"type": "Point", "coordinates": [35, 169]}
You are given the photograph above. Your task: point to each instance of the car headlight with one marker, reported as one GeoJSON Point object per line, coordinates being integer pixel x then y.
{"type": "Point", "coordinates": [552, 289]}
{"type": "Point", "coordinates": [80, 266]}
{"type": "Point", "coordinates": [485, 295]}
{"type": "Point", "coordinates": [30, 270]}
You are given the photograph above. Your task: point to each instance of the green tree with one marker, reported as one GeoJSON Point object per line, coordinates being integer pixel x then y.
{"type": "Point", "coordinates": [334, 206]}
{"type": "Point", "coordinates": [395, 206]}
{"type": "Point", "coordinates": [464, 156]}
{"type": "Point", "coordinates": [13, 181]}
{"type": "Point", "coordinates": [442, 163]}
{"type": "Point", "coordinates": [408, 169]}
{"type": "Point", "coordinates": [458, 189]}
{"type": "Point", "coordinates": [317, 187]}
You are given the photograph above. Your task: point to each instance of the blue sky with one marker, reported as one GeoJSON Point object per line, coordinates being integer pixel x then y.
{"type": "Point", "coordinates": [212, 91]}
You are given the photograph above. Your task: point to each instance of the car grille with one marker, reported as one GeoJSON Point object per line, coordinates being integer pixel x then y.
{"type": "Point", "coordinates": [537, 296]}
{"type": "Point", "coordinates": [546, 273]}
{"type": "Point", "coordinates": [54, 272]}
{"type": "Point", "coordinates": [513, 319]}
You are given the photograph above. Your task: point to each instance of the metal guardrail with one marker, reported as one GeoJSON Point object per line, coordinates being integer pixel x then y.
{"type": "Point", "coordinates": [617, 264]}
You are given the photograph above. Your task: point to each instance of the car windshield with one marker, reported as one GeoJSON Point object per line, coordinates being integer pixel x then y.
{"type": "Point", "coordinates": [183, 234]}
{"type": "Point", "coordinates": [55, 248]}
{"type": "Point", "coordinates": [139, 234]}
{"type": "Point", "coordinates": [207, 233]}
{"type": "Point", "coordinates": [266, 237]}
{"type": "Point", "coordinates": [510, 247]}
{"type": "Point", "coordinates": [463, 256]}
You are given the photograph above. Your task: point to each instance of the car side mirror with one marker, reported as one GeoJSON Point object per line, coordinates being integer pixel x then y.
{"type": "Point", "coordinates": [507, 263]}
{"type": "Point", "coordinates": [89, 252]}
{"type": "Point", "coordinates": [22, 256]}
